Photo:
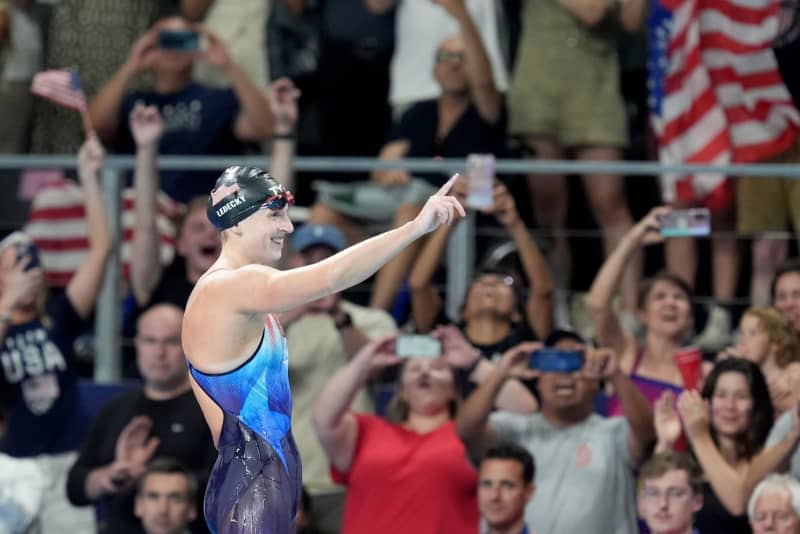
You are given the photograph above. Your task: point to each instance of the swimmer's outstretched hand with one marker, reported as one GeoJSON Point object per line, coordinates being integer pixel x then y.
{"type": "Point", "coordinates": [441, 208]}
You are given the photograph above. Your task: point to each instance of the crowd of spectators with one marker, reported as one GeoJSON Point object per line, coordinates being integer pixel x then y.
{"type": "Point", "coordinates": [473, 438]}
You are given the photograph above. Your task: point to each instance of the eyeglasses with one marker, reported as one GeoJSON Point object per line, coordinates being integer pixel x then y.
{"type": "Point", "coordinates": [671, 493]}
{"type": "Point", "coordinates": [278, 202]}
{"type": "Point", "coordinates": [448, 55]}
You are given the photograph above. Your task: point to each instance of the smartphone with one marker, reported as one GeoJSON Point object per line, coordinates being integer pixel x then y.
{"type": "Point", "coordinates": [480, 181]}
{"type": "Point", "coordinates": [417, 346]}
{"type": "Point", "coordinates": [179, 40]}
{"type": "Point", "coordinates": [556, 360]}
{"type": "Point", "coordinates": [30, 250]}
{"type": "Point", "coordinates": [686, 223]}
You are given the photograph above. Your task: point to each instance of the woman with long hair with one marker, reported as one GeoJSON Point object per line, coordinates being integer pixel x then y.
{"type": "Point", "coordinates": [727, 426]}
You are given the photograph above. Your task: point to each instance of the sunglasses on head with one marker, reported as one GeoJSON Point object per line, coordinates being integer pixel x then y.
{"type": "Point", "coordinates": [278, 202]}
{"type": "Point", "coordinates": [448, 55]}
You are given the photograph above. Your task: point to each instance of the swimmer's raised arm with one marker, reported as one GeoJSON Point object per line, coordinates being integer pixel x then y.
{"type": "Point", "coordinates": [257, 288]}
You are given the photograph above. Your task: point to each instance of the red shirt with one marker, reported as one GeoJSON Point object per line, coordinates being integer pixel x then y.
{"type": "Point", "coordinates": [403, 482]}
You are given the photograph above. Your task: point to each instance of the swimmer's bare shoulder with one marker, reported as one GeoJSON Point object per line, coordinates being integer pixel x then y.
{"type": "Point", "coordinates": [225, 315]}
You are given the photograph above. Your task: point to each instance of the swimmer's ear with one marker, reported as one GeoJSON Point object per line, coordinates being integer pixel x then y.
{"type": "Point", "coordinates": [236, 230]}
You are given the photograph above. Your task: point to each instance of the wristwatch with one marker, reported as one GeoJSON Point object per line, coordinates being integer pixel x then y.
{"type": "Point", "coordinates": [343, 321]}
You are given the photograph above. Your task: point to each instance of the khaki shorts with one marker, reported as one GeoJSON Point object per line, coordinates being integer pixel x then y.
{"type": "Point", "coordinates": [770, 204]}
{"type": "Point", "coordinates": [570, 95]}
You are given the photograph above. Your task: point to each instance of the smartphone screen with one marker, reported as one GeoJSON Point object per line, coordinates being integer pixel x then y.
{"type": "Point", "coordinates": [417, 346]}
{"type": "Point", "coordinates": [179, 40]}
{"type": "Point", "coordinates": [557, 360]}
{"type": "Point", "coordinates": [686, 223]}
{"type": "Point", "coordinates": [480, 181]}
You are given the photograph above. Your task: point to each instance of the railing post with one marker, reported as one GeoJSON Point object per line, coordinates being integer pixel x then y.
{"type": "Point", "coordinates": [108, 359]}
{"type": "Point", "coordinates": [460, 264]}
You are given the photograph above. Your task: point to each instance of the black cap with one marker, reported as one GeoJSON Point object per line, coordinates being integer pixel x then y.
{"type": "Point", "coordinates": [239, 192]}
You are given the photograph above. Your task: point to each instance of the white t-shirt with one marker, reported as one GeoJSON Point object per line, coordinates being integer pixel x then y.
{"type": "Point", "coordinates": [420, 27]}
{"type": "Point", "coordinates": [584, 473]}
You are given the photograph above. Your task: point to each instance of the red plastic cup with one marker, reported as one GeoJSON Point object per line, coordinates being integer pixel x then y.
{"type": "Point", "coordinates": [689, 362]}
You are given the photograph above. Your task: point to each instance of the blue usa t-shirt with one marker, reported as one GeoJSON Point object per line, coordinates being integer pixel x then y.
{"type": "Point", "coordinates": [40, 384]}
{"type": "Point", "coordinates": [198, 120]}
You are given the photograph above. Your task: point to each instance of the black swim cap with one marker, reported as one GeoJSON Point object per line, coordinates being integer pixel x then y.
{"type": "Point", "coordinates": [241, 191]}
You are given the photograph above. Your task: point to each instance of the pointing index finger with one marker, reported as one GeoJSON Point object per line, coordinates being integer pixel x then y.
{"type": "Point", "coordinates": [445, 189]}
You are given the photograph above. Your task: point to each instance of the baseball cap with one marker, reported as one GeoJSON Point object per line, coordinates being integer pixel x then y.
{"type": "Point", "coordinates": [310, 235]}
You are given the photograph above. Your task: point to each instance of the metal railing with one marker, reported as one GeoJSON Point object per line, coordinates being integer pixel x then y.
{"type": "Point", "coordinates": [460, 252]}
{"type": "Point", "coordinates": [338, 164]}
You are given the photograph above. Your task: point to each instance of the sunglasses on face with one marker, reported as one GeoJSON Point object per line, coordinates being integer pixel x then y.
{"type": "Point", "coordinates": [278, 202]}
{"type": "Point", "coordinates": [447, 55]}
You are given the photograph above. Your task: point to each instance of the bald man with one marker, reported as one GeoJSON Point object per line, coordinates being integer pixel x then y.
{"type": "Point", "coordinates": [161, 418]}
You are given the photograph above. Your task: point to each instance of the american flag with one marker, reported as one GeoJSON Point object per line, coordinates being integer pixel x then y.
{"type": "Point", "coordinates": [225, 189]}
{"type": "Point", "coordinates": [57, 224]}
{"type": "Point", "coordinates": [61, 86]}
{"type": "Point", "coordinates": [715, 93]}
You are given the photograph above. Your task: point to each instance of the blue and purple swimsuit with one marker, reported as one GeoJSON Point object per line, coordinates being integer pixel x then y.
{"type": "Point", "coordinates": [255, 485]}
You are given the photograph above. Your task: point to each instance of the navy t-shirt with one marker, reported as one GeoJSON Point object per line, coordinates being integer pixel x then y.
{"type": "Point", "coordinates": [198, 120]}
{"type": "Point", "coordinates": [470, 134]}
{"type": "Point", "coordinates": [350, 21]}
{"type": "Point", "coordinates": [40, 384]}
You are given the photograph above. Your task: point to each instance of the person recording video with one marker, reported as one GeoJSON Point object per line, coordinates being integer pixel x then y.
{"type": "Point", "coordinates": [589, 457]}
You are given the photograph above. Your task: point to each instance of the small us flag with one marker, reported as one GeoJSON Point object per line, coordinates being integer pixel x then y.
{"type": "Point", "coordinates": [60, 86]}
{"type": "Point", "coordinates": [225, 189]}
